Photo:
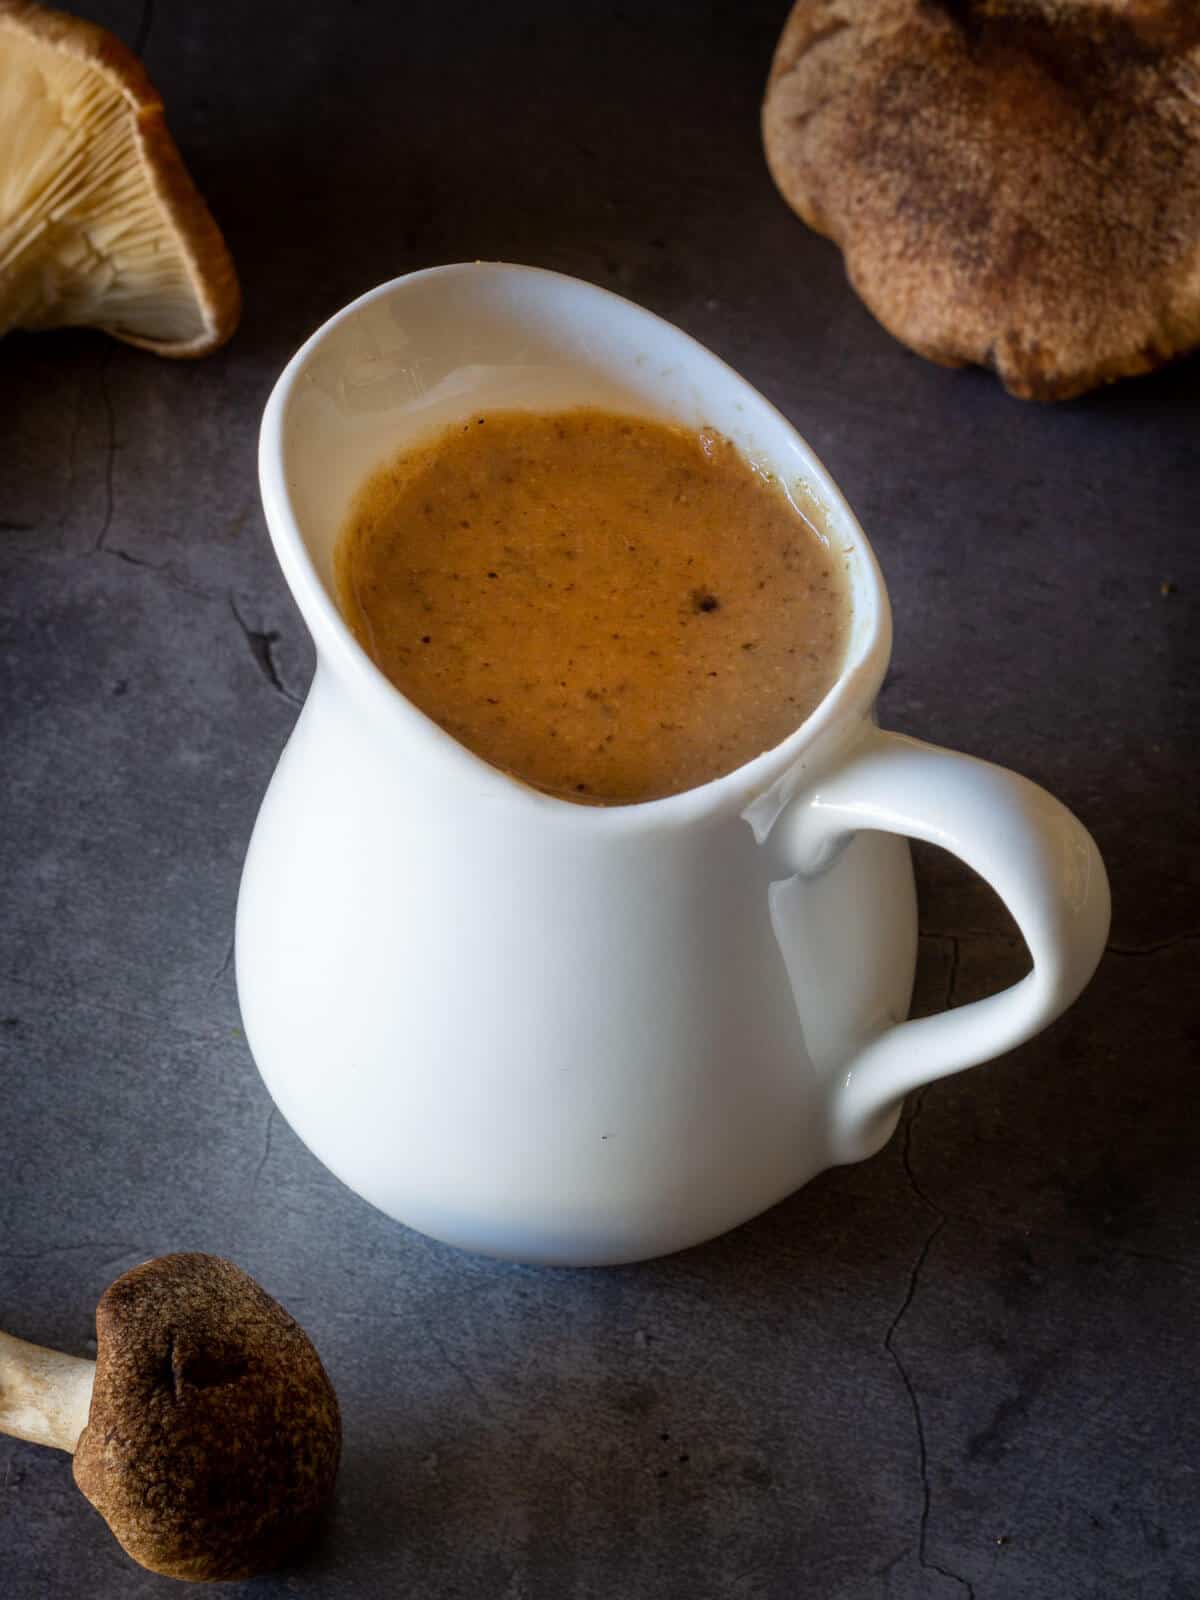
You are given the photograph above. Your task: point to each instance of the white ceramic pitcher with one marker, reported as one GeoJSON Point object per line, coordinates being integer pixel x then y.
{"type": "Point", "coordinates": [575, 1034]}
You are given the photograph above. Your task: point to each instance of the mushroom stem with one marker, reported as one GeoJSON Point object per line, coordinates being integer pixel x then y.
{"type": "Point", "coordinates": [45, 1395]}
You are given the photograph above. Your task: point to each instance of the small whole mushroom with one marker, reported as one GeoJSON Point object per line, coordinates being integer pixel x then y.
{"type": "Point", "coordinates": [206, 1432]}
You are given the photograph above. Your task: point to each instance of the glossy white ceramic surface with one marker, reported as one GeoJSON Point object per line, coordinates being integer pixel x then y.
{"type": "Point", "coordinates": [575, 1034]}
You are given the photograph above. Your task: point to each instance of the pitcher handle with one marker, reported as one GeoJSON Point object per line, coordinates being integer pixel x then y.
{"type": "Point", "coordinates": [1034, 853]}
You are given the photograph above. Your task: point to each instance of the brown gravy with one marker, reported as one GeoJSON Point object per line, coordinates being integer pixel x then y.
{"type": "Point", "coordinates": [608, 608]}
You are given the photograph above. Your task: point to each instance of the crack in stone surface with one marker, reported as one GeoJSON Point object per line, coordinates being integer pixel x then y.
{"type": "Point", "coordinates": [262, 642]}
{"type": "Point", "coordinates": [266, 1151]}
{"type": "Point", "coordinates": [72, 456]}
{"type": "Point", "coordinates": [1105, 1249]}
{"type": "Point", "coordinates": [943, 1218]}
{"type": "Point", "coordinates": [1157, 948]}
{"type": "Point", "coordinates": [162, 571]}
{"type": "Point", "coordinates": [145, 23]}
{"type": "Point", "coordinates": [464, 1376]}
{"type": "Point", "coordinates": [889, 1339]}
{"type": "Point", "coordinates": [1008, 934]}
{"type": "Point", "coordinates": [226, 963]}
{"type": "Point", "coordinates": [889, 1344]}
{"type": "Point", "coordinates": [71, 996]}
{"type": "Point", "coordinates": [110, 460]}
{"type": "Point", "coordinates": [952, 975]}
{"type": "Point", "coordinates": [972, 1219]}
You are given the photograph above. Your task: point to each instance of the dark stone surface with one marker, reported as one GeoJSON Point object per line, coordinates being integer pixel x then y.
{"type": "Point", "coordinates": [966, 1366]}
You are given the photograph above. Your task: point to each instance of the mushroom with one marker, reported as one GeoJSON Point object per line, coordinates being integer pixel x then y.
{"type": "Point", "coordinates": [206, 1432]}
{"type": "Point", "coordinates": [100, 224]}
{"type": "Point", "coordinates": [1014, 183]}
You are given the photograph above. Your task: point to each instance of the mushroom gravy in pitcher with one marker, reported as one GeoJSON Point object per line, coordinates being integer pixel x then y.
{"type": "Point", "coordinates": [608, 608]}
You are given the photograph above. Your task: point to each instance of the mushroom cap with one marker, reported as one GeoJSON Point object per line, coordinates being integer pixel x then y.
{"type": "Point", "coordinates": [214, 1434]}
{"type": "Point", "coordinates": [100, 224]}
{"type": "Point", "coordinates": [1014, 183]}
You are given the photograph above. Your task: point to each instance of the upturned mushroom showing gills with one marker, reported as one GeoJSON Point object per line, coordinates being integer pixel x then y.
{"type": "Point", "coordinates": [1014, 183]}
{"type": "Point", "coordinates": [206, 1432]}
{"type": "Point", "coordinates": [100, 224]}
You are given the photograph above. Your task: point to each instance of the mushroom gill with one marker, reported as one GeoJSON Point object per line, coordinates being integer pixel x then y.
{"type": "Point", "coordinates": [100, 224]}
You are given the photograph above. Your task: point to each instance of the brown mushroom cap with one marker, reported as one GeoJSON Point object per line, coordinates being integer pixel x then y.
{"type": "Point", "coordinates": [100, 224]}
{"type": "Point", "coordinates": [214, 1435]}
{"type": "Point", "coordinates": [1014, 183]}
